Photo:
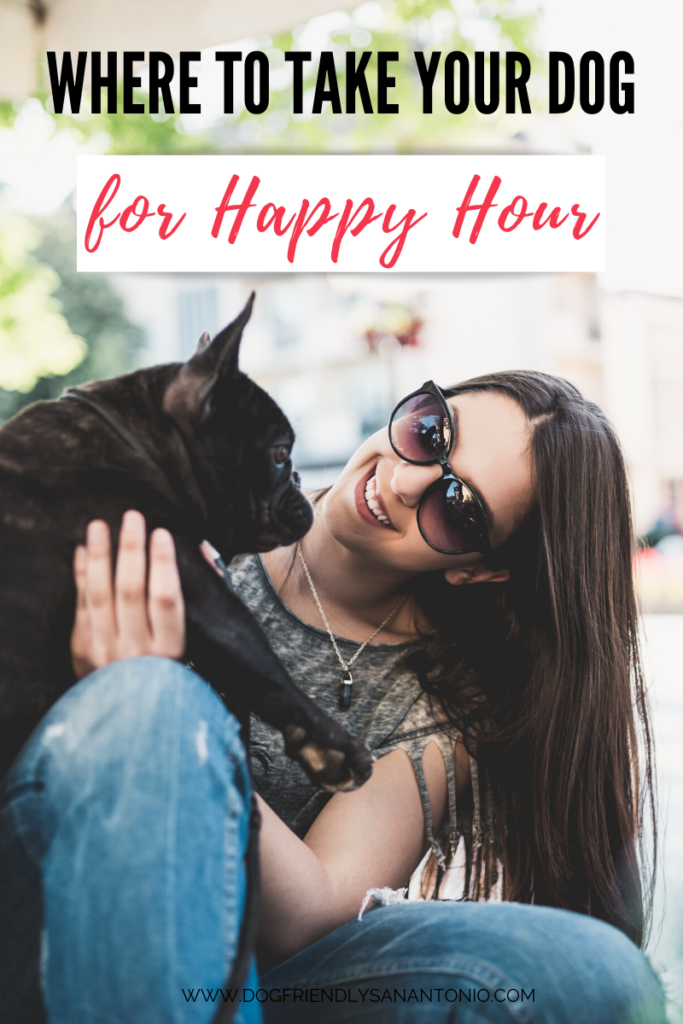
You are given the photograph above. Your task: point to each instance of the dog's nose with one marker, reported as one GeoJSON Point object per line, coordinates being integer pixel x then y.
{"type": "Point", "coordinates": [296, 479]}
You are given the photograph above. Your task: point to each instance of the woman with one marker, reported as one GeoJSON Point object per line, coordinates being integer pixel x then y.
{"type": "Point", "coordinates": [513, 698]}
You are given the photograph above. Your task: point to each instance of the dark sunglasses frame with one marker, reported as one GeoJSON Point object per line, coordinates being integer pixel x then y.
{"type": "Point", "coordinates": [430, 388]}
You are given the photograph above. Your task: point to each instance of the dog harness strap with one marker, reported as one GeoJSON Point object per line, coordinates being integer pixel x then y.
{"type": "Point", "coordinates": [111, 418]}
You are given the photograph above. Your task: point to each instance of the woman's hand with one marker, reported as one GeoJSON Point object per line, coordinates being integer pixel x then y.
{"type": "Point", "coordinates": [133, 616]}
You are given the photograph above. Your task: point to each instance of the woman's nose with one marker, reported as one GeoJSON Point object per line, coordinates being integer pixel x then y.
{"type": "Point", "coordinates": [409, 482]}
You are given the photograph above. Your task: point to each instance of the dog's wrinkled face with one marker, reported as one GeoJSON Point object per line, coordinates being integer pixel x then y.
{"type": "Point", "coordinates": [242, 440]}
{"type": "Point", "coordinates": [251, 441]}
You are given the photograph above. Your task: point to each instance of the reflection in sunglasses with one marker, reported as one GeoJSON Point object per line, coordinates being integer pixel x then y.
{"type": "Point", "coordinates": [450, 515]}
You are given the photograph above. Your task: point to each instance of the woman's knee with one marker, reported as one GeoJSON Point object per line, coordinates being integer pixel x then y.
{"type": "Point", "coordinates": [133, 717]}
{"type": "Point", "coordinates": [133, 801]}
{"type": "Point", "coordinates": [569, 966]}
{"type": "Point", "coordinates": [581, 967]}
{"type": "Point", "coordinates": [610, 978]}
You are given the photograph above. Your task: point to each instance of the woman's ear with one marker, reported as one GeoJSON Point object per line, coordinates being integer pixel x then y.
{"type": "Point", "coordinates": [479, 572]}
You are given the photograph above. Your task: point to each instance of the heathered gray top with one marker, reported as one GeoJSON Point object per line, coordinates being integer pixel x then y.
{"type": "Point", "coordinates": [388, 710]}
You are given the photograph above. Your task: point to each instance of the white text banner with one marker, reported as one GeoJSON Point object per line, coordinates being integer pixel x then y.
{"type": "Point", "coordinates": [341, 213]}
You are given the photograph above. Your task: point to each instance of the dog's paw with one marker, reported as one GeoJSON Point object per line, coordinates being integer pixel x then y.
{"type": "Point", "coordinates": [329, 755]}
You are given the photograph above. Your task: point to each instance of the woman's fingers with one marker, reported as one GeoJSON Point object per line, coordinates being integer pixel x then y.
{"type": "Point", "coordinates": [166, 605]}
{"type": "Point", "coordinates": [130, 597]}
{"type": "Point", "coordinates": [129, 617]}
{"type": "Point", "coordinates": [99, 595]}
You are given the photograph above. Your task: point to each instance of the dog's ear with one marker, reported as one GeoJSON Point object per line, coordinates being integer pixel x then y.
{"type": "Point", "coordinates": [188, 397]}
{"type": "Point", "coordinates": [203, 342]}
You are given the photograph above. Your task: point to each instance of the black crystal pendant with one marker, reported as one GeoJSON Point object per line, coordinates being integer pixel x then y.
{"type": "Point", "coordinates": [345, 689]}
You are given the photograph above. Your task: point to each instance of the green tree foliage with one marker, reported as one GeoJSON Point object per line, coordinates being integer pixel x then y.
{"type": "Point", "coordinates": [92, 310]}
{"type": "Point", "coordinates": [403, 27]}
{"type": "Point", "coordinates": [135, 134]}
{"type": "Point", "coordinates": [35, 338]}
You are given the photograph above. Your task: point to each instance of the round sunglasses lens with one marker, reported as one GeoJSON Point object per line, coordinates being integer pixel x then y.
{"type": "Point", "coordinates": [450, 518]}
{"type": "Point", "coordinates": [420, 430]}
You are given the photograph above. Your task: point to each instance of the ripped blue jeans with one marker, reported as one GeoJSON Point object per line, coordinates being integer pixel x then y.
{"type": "Point", "coordinates": [123, 825]}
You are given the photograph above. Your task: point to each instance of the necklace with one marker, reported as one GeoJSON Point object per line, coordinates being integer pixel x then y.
{"type": "Point", "coordinates": [346, 682]}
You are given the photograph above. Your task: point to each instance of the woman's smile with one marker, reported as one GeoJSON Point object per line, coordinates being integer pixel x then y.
{"type": "Point", "coordinates": [381, 491]}
{"type": "Point", "coordinates": [366, 492]}
{"type": "Point", "coordinates": [373, 500]}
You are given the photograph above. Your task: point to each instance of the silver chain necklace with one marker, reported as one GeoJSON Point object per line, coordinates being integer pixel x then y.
{"type": "Point", "coordinates": [346, 682]}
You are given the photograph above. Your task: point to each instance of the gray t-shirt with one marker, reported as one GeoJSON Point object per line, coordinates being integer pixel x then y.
{"type": "Point", "coordinates": [389, 709]}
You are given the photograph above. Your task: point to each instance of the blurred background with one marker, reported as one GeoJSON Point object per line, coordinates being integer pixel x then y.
{"type": "Point", "coordinates": [337, 351]}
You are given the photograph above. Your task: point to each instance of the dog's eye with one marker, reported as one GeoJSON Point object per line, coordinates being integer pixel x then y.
{"type": "Point", "coordinates": [280, 455]}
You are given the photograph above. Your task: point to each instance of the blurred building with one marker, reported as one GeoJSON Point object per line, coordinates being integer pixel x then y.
{"type": "Point", "coordinates": [338, 351]}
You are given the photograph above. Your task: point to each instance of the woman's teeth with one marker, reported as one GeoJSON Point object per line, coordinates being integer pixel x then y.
{"type": "Point", "coordinates": [372, 502]}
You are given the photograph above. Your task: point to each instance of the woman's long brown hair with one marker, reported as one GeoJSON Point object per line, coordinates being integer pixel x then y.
{"type": "Point", "coordinates": [543, 675]}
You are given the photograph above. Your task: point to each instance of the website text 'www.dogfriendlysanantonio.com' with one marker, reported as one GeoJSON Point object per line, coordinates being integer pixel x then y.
{"type": "Point", "coordinates": [340, 994]}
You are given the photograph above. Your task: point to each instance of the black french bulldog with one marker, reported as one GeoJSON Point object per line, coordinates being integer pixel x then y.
{"type": "Point", "coordinates": [200, 449]}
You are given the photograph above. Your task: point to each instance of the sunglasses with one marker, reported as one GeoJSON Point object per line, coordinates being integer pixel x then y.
{"type": "Point", "coordinates": [450, 514]}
